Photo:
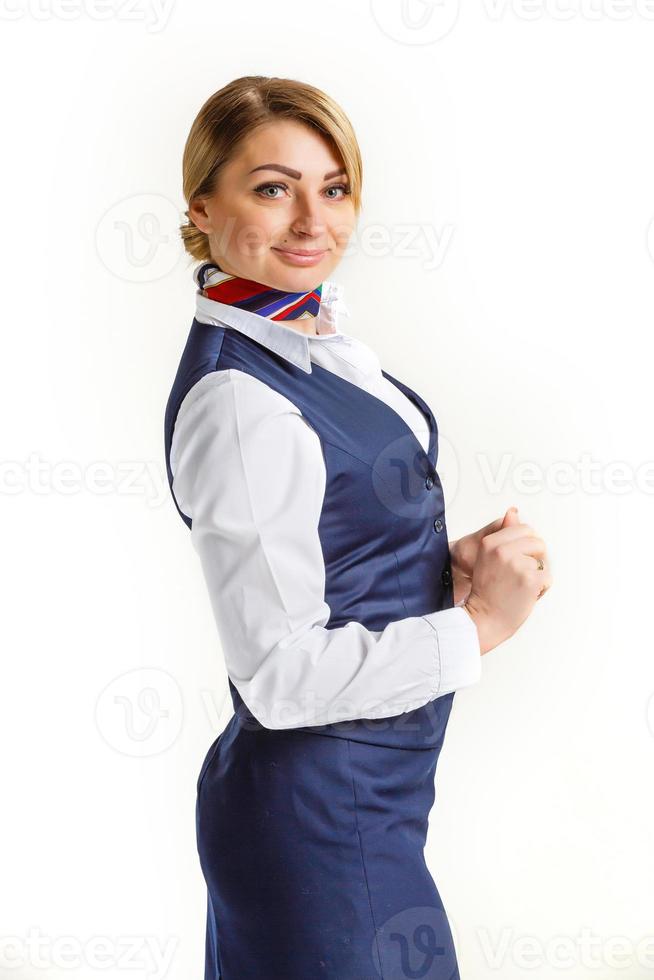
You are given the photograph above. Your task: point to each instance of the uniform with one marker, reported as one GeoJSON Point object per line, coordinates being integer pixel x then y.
{"type": "Point", "coordinates": [311, 836]}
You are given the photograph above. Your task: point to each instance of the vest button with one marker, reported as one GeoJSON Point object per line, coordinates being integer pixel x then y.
{"type": "Point", "coordinates": [446, 578]}
{"type": "Point", "coordinates": [438, 524]}
{"type": "Point", "coordinates": [429, 482]}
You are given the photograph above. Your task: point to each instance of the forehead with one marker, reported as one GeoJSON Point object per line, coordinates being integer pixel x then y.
{"type": "Point", "coordinates": [291, 144]}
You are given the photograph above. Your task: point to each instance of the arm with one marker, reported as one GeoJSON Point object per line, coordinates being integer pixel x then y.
{"type": "Point", "coordinates": [250, 473]}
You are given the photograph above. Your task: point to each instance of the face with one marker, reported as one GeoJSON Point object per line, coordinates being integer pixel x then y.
{"type": "Point", "coordinates": [259, 217]}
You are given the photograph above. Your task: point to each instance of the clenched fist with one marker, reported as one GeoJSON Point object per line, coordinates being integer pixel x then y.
{"type": "Point", "coordinates": [507, 580]}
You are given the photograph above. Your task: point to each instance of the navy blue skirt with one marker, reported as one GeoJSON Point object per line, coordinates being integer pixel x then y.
{"type": "Point", "coordinates": [312, 848]}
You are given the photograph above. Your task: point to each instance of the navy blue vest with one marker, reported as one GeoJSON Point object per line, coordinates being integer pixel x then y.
{"type": "Point", "coordinates": [382, 526]}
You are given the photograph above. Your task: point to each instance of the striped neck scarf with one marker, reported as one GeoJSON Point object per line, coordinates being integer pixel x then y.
{"type": "Point", "coordinates": [246, 294]}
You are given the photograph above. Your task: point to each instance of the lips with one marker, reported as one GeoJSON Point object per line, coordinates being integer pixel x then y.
{"type": "Point", "coordinates": [301, 257]}
{"type": "Point", "coordinates": [301, 251]}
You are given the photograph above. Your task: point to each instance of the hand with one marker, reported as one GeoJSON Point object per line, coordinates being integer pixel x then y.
{"type": "Point", "coordinates": [463, 554]}
{"type": "Point", "coordinates": [506, 581]}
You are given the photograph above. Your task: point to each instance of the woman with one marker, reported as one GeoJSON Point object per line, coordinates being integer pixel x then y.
{"type": "Point", "coordinates": [307, 477]}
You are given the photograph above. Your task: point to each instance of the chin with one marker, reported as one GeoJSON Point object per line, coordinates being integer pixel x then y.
{"type": "Point", "coordinates": [295, 280]}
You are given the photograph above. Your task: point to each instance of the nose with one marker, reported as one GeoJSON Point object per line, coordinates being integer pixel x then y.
{"type": "Point", "coordinates": [308, 221]}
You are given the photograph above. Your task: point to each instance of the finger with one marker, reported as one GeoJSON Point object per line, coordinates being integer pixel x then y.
{"type": "Point", "coordinates": [527, 563]}
{"type": "Point", "coordinates": [533, 546]}
{"type": "Point", "coordinates": [507, 534]}
{"type": "Point", "coordinates": [530, 545]}
{"type": "Point", "coordinates": [488, 529]}
{"type": "Point", "coordinates": [544, 577]}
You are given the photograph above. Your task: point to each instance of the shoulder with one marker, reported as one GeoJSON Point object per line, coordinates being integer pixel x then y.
{"type": "Point", "coordinates": [235, 390]}
{"type": "Point", "coordinates": [239, 412]}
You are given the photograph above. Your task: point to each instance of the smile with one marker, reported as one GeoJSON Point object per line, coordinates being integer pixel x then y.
{"type": "Point", "coordinates": [300, 256]}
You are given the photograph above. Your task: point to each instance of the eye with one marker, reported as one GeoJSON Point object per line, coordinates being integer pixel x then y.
{"type": "Point", "coordinates": [342, 187]}
{"type": "Point", "coordinates": [262, 189]}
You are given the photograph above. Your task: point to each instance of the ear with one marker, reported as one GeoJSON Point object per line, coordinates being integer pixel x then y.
{"type": "Point", "coordinates": [198, 215]}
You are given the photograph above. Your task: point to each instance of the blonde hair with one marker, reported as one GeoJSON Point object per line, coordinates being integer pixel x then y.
{"type": "Point", "coordinates": [238, 108]}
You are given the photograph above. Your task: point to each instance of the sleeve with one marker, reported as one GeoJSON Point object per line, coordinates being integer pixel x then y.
{"type": "Point", "coordinates": [249, 471]}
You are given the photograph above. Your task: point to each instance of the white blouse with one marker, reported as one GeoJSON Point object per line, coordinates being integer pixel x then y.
{"type": "Point", "coordinates": [250, 473]}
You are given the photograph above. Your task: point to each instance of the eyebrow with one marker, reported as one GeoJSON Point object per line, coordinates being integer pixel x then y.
{"type": "Point", "coordinates": [295, 173]}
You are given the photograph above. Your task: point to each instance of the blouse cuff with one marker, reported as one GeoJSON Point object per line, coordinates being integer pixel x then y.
{"type": "Point", "coordinates": [459, 650]}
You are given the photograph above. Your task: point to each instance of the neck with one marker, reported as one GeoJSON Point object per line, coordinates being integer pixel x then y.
{"type": "Point", "coordinates": [297, 310]}
{"type": "Point", "coordinates": [304, 326]}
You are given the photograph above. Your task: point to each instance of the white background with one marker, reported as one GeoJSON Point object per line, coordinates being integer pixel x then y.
{"type": "Point", "coordinates": [520, 138]}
